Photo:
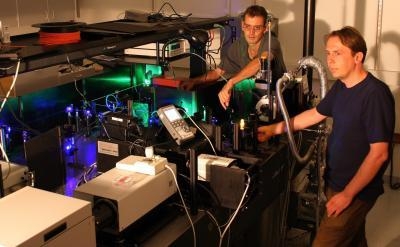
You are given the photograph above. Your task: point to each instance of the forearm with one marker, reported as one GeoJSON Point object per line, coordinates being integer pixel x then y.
{"type": "Point", "coordinates": [278, 128]}
{"type": "Point", "coordinates": [249, 70]}
{"type": "Point", "coordinates": [376, 157]}
{"type": "Point", "coordinates": [301, 121]}
{"type": "Point", "coordinates": [210, 76]}
{"type": "Point", "coordinates": [298, 122]}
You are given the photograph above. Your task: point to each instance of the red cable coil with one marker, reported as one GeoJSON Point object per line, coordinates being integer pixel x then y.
{"type": "Point", "coordinates": [46, 38]}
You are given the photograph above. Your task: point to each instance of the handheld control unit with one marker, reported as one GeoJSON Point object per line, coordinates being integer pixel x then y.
{"type": "Point", "coordinates": [175, 124]}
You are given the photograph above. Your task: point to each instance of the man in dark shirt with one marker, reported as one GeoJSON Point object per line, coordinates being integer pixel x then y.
{"type": "Point", "coordinates": [362, 109]}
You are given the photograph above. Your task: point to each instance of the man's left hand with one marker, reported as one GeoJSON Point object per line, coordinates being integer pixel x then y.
{"type": "Point", "coordinates": [225, 94]}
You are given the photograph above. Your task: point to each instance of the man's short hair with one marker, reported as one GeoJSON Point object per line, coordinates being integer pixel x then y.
{"type": "Point", "coordinates": [256, 10]}
{"type": "Point", "coordinates": [351, 38]}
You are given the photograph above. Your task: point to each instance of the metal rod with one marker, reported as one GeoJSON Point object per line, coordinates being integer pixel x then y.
{"type": "Point", "coordinates": [308, 36]}
{"type": "Point", "coordinates": [379, 35]}
{"type": "Point", "coordinates": [193, 181]}
{"type": "Point", "coordinates": [269, 73]}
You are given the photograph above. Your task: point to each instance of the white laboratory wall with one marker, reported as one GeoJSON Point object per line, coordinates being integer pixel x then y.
{"type": "Point", "coordinates": [388, 65]}
{"type": "Point", "coordinates": [290, 29]}
{"type": "Point", "coordinates": [390, 49]}
{"type": "Point", "coordinates": [32, 11]}
{"type": "Point", "coordinates": [91, 11]}
{"type": "Point", "coordinates": [19, 15]}
{"type": "Point", "coordinates": [61, 10]}
{"type": "Point", "coordinates": [238, 6]}
{"type": "Point", "coordinates": [8, 14]}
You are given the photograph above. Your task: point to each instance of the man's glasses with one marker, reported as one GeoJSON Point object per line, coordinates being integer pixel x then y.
{"type": "Point", "coordinates": [257, 28]}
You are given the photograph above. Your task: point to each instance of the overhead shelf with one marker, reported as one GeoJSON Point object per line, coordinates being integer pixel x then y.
{"type": "Point", "coordinates": [100, 38]}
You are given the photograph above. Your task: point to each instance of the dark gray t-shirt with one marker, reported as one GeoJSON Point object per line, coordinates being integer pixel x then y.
{"type": "Point", "coordinates": [237, 57]}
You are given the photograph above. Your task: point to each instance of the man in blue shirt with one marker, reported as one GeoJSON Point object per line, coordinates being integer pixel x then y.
{"type": "Point", "coordinates": [362, 109]}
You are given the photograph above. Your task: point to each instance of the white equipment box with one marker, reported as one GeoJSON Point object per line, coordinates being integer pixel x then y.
{"type": "Point", "coordinates": [149, 166]}
{"type": "Point", "coordinates": [133, 194]}
{"type": "Point", "coordinates": [34, 217]}
{"type": "Point", "coordinates": [173, 49]}
{"type": "Point", "coordinates": [205, 161]}
{"type": "Point", "coordinates": [14, 176]}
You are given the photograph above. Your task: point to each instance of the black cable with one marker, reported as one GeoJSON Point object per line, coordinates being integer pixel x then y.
{"type": "Point", "coordinates": [174, 14]}
{"type": "Point", "coordinates": [209, 191]}
{"type": "Point", "coordinates": [212, 60]}
{"type": "Point", "coordinates": [224, 41]}
{"type": "Point", "coordinates": [167, 3]}
{"type": "Point", "coordinates": [179, 17]}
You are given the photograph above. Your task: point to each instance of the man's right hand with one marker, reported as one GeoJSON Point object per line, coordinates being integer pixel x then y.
{"type": "Point", "coordinates": [187, 85]}
{"type": "Point", "coordinates": [264, 133]}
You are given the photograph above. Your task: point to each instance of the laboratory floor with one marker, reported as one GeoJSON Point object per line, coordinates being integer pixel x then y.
{"type": "Point", "coordinates": [383, 222]}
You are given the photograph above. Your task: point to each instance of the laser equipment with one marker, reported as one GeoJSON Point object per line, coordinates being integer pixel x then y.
{"type": "Point", "coordinates": [121, 197]}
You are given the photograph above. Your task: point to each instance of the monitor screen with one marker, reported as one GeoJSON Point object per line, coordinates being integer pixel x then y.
{"type": "Point", "coordinates": [173, 115]}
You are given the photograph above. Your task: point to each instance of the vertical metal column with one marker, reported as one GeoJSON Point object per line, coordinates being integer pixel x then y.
{"type": "Point", "coordinates": [193, 181]}
{"type": "Point", "coordinates": [308, 36]}
{"type": "Point", "coordinates": [379, 35]}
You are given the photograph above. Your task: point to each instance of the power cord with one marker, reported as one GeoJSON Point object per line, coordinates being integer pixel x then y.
{"type": "Point", "coordinates": [184, 205]}
{"type": "Point", "coordinates": [12, 85]}
{"type": "Point", "coordinates": [1, 109]}
{"type": "Point", "coordinates": [198, 127]}
{"type": "Point", "coordinates": [218, 50]}
{"type": "Point", "coordinates": [210, 192]}
{"type": "Point", "coordinates": [232, 218]}
{"type": "Point", "coordinates": [227, 225]}
{"type": "Point", "coordinates": [158, 16]}
{"type": "Point", "coordinates": [215, 66]}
